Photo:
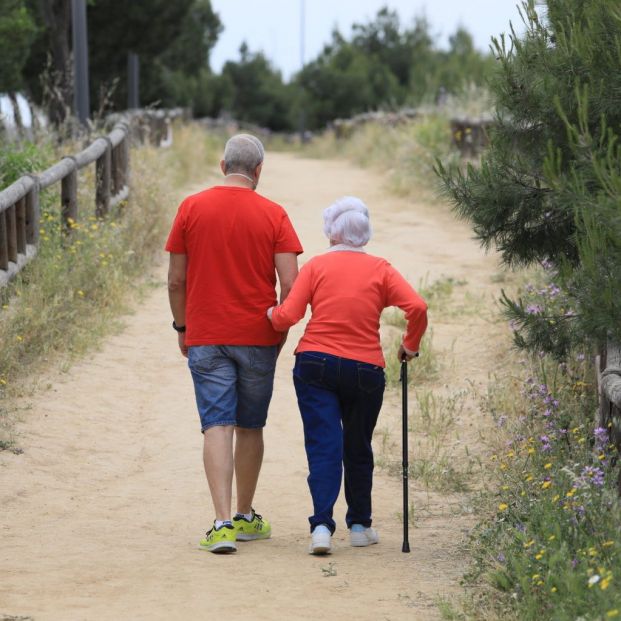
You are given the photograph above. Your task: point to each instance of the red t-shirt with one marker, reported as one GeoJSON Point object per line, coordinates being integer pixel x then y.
{"type": "Point", "coordinates": [230, 236]}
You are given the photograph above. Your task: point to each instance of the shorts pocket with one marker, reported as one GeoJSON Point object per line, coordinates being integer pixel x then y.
{"type": "Point", "coordinates": [263, 359]}
{"type": "Point", "coordinates": [370, 378]}
{"type": "Point", "coordinates": [205, 358]}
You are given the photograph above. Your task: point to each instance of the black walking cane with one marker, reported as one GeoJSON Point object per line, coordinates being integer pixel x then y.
{"type": "Point", "coordinates": [405, 461]}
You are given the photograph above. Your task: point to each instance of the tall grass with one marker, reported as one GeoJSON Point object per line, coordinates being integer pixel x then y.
{"type": "Point", "coordinates": [406, 152]}
{"type": "Point", "coordinates": [73, 292]}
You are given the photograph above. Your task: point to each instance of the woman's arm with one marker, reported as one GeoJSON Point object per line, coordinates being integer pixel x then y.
{"type": "Point", "coordinates": [400, 293]}
{"type": "Point", "coordinates": [293, 308]}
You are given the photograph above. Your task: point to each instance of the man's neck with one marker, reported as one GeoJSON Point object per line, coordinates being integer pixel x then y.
{"type": "Point", "coordinates": [239, 180]}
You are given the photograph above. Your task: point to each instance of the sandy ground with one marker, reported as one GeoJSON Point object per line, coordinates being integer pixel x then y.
{"type": "Point", "coordinates": [101, 514]}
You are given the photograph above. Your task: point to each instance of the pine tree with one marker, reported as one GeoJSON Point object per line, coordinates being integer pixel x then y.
{"type": "Point", "coordinates": [547, 190]}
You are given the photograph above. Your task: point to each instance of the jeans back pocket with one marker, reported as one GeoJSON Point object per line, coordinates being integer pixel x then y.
{"type": "Point", "coordinates": [370, 378]}
{"type": "Point", "coordinates": [310, 368]}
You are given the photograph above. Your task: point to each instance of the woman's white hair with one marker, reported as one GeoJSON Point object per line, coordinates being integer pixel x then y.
{"type": "Point", "coordinates": [346, 221]}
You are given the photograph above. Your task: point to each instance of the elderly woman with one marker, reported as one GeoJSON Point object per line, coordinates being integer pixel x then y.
{"type": "Point", "coordinates": [339, 368]}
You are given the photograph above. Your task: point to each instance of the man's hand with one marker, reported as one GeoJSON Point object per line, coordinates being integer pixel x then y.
{"type": "Point", "coordinates": [282, 342]}
{"type": "Point", "coordinates": [182, 346]}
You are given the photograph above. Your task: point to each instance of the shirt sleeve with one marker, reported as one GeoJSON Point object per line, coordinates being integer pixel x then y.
{"type": "Point", "coordinates": [293, 308]}
{"type": "Point", "coordinates": [286, 237]}
{"type": "Point", "coordinates": [176, 237]}
{"type": "Point", "coordinates": [400, 293]}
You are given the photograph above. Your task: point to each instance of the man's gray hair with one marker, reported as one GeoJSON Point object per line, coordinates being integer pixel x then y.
{"type": "Point", "coordinates": [242, 154]}
{"type": "Point", "coordinates": [347, 222]}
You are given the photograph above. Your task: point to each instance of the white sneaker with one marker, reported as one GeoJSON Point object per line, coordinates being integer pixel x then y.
{"type": "Point", "coordinates": [321, 540]}
{"type": "Point", "coordinates": [362, 538]}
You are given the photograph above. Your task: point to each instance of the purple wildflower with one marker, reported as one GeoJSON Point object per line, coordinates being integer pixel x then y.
{"type": "Point", "coordinates": [592, 475]}
{"type": "Point", "coordinates": [533, 309]}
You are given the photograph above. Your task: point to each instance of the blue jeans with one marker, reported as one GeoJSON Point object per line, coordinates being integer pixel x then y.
{"type": "Point", "coordinates": [339, 400]}
{"type": "Point", "coordinates": [232, 383]}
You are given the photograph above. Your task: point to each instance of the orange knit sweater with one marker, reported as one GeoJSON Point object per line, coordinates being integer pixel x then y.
{"type": "Point", "coordinates": [347, 291]}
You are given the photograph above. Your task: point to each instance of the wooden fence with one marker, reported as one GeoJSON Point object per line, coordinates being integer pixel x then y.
{"type": "Point", "coordinates": [470, 135]}
{"type": "Point", "coordinates": [609, 384]}
{"type": "Point", "coordinates": [19, 203]}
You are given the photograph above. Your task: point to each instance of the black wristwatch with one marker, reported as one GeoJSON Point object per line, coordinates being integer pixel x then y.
{"type": "Point", "coordinates": [178, 328]}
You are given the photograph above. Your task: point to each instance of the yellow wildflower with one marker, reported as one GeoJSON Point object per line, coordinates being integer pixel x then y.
{"type": "Point", "coordinates": [607, 544]}
{"type": "Point", "coordinates": [571, 492]}
{"type": "Point", "coordinates": [529, 543]}
{"type": "Point", "coordinates": [548, 466]}
{"type": "Point", "coordinates": [553, 590]}
{"type": "Point", "coordinates": [503, 506]}
{"type": "Point", "coordinates": [546, 484]}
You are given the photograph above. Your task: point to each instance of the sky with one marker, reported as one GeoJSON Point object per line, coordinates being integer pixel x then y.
{"type": "Point", "coordinates": [273, 26]}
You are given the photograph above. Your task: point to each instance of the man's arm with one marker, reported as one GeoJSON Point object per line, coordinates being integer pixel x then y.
{"type": "Point", "coordinates": [176, 294]}
{"type": "Point", "coordinates": [287, 269]}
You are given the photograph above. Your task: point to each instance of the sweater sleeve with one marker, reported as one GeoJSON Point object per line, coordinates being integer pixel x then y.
{"type": "Point", "coordinates": [293, 308]}
{"type": "Point", "coordinates": [400, 293]}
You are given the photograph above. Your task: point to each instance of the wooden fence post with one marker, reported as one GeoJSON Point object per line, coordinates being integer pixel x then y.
{"type": "Point", "coordinates": [103, 176]}
{"type": "Point", "coordinates": [33, 215]}
{"type": "Point", "coordinates": [11, 230]}
{"type": "Point", "coordinates": [4, 242]}
{"type": "Point", "coordinates": [126, 167]}
{"type": "Point", "coordinates": [69, 198]}
{"type": "Point", "coordinates": [20, 216]}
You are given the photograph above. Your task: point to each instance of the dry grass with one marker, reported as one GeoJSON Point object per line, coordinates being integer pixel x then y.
{"type": "Point", "coordinates": [78, 286]}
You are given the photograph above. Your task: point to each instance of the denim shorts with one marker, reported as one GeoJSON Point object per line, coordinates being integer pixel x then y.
{"type": "Point", "coordinates": [233, 383]}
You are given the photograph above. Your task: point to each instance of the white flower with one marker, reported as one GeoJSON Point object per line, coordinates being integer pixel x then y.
{"type": "Point", "coordinates": [594, 579]}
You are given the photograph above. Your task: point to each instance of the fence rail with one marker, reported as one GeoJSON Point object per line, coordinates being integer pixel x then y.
{"type": "Point", "coordinates": [19, 203]}
{"type": "Point", "coordinates": [609, 381]}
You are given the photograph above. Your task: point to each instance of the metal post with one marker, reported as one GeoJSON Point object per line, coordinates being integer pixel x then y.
{"type": "Point", "coordinates": [133, 81]}
{"type": "Point", "coordinates": [80, 61]}
{"type": "Point", "coordinates": [302, 120]}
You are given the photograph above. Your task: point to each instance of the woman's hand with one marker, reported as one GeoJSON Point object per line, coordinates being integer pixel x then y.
{"type": "Point", "coordinates": [404, 354]}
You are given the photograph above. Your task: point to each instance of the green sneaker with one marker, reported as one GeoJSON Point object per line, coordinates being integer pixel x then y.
{"type": "Point", "coordinates": [221, 540]}
{"type": "Point", "coordinates": [249, 530]}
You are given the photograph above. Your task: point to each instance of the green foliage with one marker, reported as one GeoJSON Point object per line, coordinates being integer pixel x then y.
{"type": "Point", "coordinates": [18, 159]}
{"type": "Point", "coordinates": [548, 187]}
{"type": "Point", "coordinates": [550, 547]}
{"type": "Point", "coordinates": [385, 65]}
{"type": "Point", "coordinates": [258, 93]}
{"type": "Point", "coordinates": [17, 31]}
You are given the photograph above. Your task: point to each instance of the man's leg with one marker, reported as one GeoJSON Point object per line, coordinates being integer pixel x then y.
{"type": "Point", "coordinates": [255, 382]}
{"type": "Point", "coordinates": [215, 377]}
{"type": "Point", "coordinates": [248, 460]}
{"type": "Point", "coordinates": [218, 461]}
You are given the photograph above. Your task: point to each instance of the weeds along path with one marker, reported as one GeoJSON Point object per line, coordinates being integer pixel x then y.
{"type": "Point", "coordinates": [102, 512]}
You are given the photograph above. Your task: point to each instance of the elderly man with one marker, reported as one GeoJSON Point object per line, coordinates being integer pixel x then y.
{"type": "Point", "coordinates": [226, 246]}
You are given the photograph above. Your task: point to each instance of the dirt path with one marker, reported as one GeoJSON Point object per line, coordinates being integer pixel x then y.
{"type": "Point", "coordinates": [102, 512]}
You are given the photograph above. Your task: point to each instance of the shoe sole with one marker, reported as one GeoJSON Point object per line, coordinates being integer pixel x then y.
{"type": "Point", "coordinates": [250, 537]}
{"type": "Point", "coordinates": [223, 547]}
{"type": "Point", "coordinates": [320, 550]}
{"type": "Point", "coordinates": [362, 541]}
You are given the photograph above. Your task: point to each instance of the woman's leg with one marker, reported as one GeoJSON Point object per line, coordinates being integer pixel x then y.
{"type": "Point", "coordinates": [359, 420]}
{"type": "Point", "coordinates": [323, 436]}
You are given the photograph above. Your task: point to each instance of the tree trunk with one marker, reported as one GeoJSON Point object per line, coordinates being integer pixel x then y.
{"type": "Point", "coordinates": [57, 14]}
